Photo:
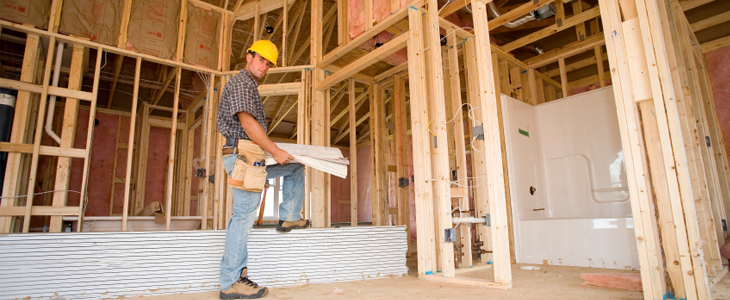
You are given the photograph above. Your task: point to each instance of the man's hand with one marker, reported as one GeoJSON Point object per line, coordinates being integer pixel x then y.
{"type": "Point", "coordinates": [282, 157]}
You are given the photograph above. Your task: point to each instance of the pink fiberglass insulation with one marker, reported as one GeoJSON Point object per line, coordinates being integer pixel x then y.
{"type": "Point", "coordinates": [340, 191]}
{"type": "Point", "coordinates": [586, 88]}
{"type": "Point", "coordinates": [623, 281]}
{"type": "Point", "coordinates": [381, 10]}
{"type": "Point", "coordinates": [718, 64]}
{"type": "Point", "coordinates": [159, 148]}
{"type": "Point", "coordinates": [364, 191]}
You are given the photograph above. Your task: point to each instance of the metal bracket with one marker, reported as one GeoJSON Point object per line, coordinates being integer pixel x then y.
{"type": "Point", "coordinates": [449, 235]}
{"type": "Point", "coordinates": [478, 132]}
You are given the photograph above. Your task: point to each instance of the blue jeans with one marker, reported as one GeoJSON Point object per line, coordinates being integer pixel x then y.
{"type": "Point", "coordinates": [244, 214]}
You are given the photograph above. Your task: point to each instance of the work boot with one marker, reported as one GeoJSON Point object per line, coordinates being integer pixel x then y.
{"type": "Point", "coordinates": [286, 226]}
{"type": "Point", "coordinates": [244, 288]}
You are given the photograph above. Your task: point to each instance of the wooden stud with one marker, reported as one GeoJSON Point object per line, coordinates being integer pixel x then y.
{"type": "Point", "coordinates": [421, 150]}
{"type": "Point", "coordinates": [513, 14]}
{"type": "Point", "coordinates": [55, 15]}
{"type": "Point", "coordinates": [401, 154]}
{"type": "Point", "coordinates": [368, 34]}
{"type": "Point", "coordinates": [353, 153]}
{"type": "Point", "coordinates": [576, 21]}
{"type": "Point", "coordinates": [533, 86]}
{"type": "Point", "coordinates": [170, 76]}
{"type": "Point", "coordinates": [130, 142]}
{"type": "Point", "coordinates": [490, 112]}
{"type": "Point", "coordinates": [458, 109]}
{"type": "Point", "coordinates": [690, 4]}
{"type": "Point", "coordinates": [580, 28]}
{"type": "Point", "coordinates": [114, 169]}
{"type": "Point", "coordinates": [89, 135]}
{"type": "Point", "coordinates": [378, 152]}
{"type": "Point", "coordinates": [181, 30]}
{"type": "Point", "coordinates": [563, 77]}
{"type": "Point", "coordinates": [318, 106]}
{"type": "Point", "coordinates": [479, 170]}
{"type": "Point", "coordinates": [22, 113]}
{"type": "Point", "coordinates": [38, 134]}
{"type": "Point", "coordinates": [284, 15]}
{"type": "Point", "coordinates": [63, 168]}
{"type": "Point", "coordinates": [171, 157]}
{"type": "Point", "coordinates": [387, 49]}
{"type": "Point", "coordinates": [368, 8]}
{"type": "Point", "coordinates": [565, 51]}
{"type": "Point", "coordinates": [117, 70]}
{"type": "Point", "coordinates": [634, 154]}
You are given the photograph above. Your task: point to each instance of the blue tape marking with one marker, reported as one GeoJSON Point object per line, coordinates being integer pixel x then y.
{"type": "Point", "coordinates": [489, 262]}
{"type": "Point", "coordinates": [428, 273]}
{"type": "Point", "coordinates": [669, 295]}
{"type": "Point", "coordinates": [525, 71]}
{"type": "Point", "coordinates": [413, 7]}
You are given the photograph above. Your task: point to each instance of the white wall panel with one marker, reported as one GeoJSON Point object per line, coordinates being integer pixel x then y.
{"type": "Point", "coordinates": [569, 150]}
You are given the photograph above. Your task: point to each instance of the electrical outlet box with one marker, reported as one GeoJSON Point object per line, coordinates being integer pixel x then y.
{"type": "Point", "coordinates": [478, 132]}
{"type": "Point", "coordinates": [403, 182]}
{"type": "Point", "coordinates": [449, 235]}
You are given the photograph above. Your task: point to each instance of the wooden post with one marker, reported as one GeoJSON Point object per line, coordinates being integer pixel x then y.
{"type": "Point", "coordinates": [171, 156]}
{"type": "Point", "coordinates": [378, 155]}
{"type": "Point", "coordinates": [634, 154]}
{"type": "Point", "coordinates": [401, 155]}
{"type": "Point", "coordinates": [318, 196]}
{"type": "Point", "coordinates": [442, 174]}
{"type": "Point", "coordinates": [421, 148]}
{"type": "Point", "coordinates": [479, 163]}
{"type": "Point", "coordinates": [563, 77]}
{"type": "Point", "coordinates": [130, 142]}
{"type": "Point", "coordinates": [458, 133]}
{"type": "Point", "coordinates": [89, 135]}
{"type": "Point", "coordinates": [11, 184]}
{"type": "Point", "coordinates": [490, 112]}
{"type": "Point", "coordinates": [599, 63]}
{"type": "Point", "coordinates": [38, 134]}
{"type": "Point", "coordinates": [181, 34]}
{"type": "Point", "coordinates": [207, 139]}
{"type": "Point", "coordinates": [143, 150]}
{"type": "Point", "coordinates": [63, 169]}
{"type": "Point", "coordinates": [285, 14]}
{"type": "Point", "coordinates": [353, 153]}
{"type": "Point", "coordinates": [580, 29]}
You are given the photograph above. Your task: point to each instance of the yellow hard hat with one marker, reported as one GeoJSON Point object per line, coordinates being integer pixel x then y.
{"type": "Point", "coordinates": [266, 49]}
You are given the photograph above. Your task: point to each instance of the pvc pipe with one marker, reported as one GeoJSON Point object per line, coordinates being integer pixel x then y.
{"type": "Point", "coordinates": [52, 101]}
{"type": "Point", "coordinates": [469, 220]}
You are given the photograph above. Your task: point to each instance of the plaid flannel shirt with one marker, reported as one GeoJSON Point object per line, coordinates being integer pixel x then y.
{"type": "Point", "coordinates": [240, 94]}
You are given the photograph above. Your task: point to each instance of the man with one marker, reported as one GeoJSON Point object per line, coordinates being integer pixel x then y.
{"type": "Point", "coordinates": [241, 117]}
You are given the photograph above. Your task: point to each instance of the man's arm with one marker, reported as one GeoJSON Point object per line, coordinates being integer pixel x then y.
{"type": "Point", "coordinates": [256, 133]}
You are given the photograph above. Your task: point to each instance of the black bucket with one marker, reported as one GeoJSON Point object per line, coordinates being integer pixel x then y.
{"type": "Point", "coordinates": [7, 111]}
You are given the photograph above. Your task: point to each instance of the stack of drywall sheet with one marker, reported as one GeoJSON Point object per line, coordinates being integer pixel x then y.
{"type": "Point", "coordinates": [110, 265]}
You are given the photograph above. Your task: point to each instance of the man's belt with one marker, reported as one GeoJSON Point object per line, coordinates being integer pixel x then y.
{"type": "Point", "coordinates": [229, 151]}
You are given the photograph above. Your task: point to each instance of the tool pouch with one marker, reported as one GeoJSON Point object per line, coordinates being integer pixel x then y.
{"type": "Point", "coordinates": [249, 172]}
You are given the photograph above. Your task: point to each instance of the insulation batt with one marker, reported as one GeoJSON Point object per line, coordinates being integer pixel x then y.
{"type": "Point", "coordinates": [717, 65]}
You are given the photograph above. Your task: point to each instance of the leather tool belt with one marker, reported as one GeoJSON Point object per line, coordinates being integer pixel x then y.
{"type": "Point", "coordinates": [249, 172]}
